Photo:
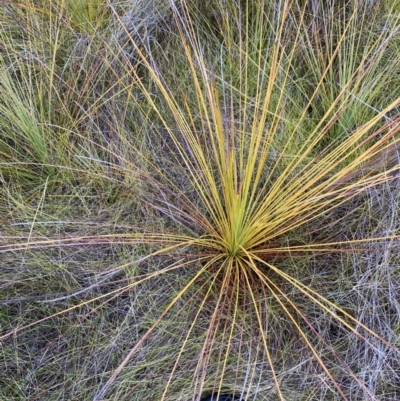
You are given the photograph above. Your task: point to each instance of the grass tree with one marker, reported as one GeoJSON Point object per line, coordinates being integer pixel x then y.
{"type": "Point", "coordinates": [215, 205]}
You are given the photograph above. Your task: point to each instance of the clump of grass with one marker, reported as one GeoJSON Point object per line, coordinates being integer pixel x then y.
{"type": "Point", "coordinates": [86, 15]}
{"type": "Point", "coordinates": [221, 220]}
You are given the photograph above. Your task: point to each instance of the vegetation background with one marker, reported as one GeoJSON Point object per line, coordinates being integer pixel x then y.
{"type": "Point", "coordinates": [199, 197]}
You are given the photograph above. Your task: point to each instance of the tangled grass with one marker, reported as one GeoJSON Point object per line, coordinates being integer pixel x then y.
{"type": "Point", "coordinates": [200, 199]}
